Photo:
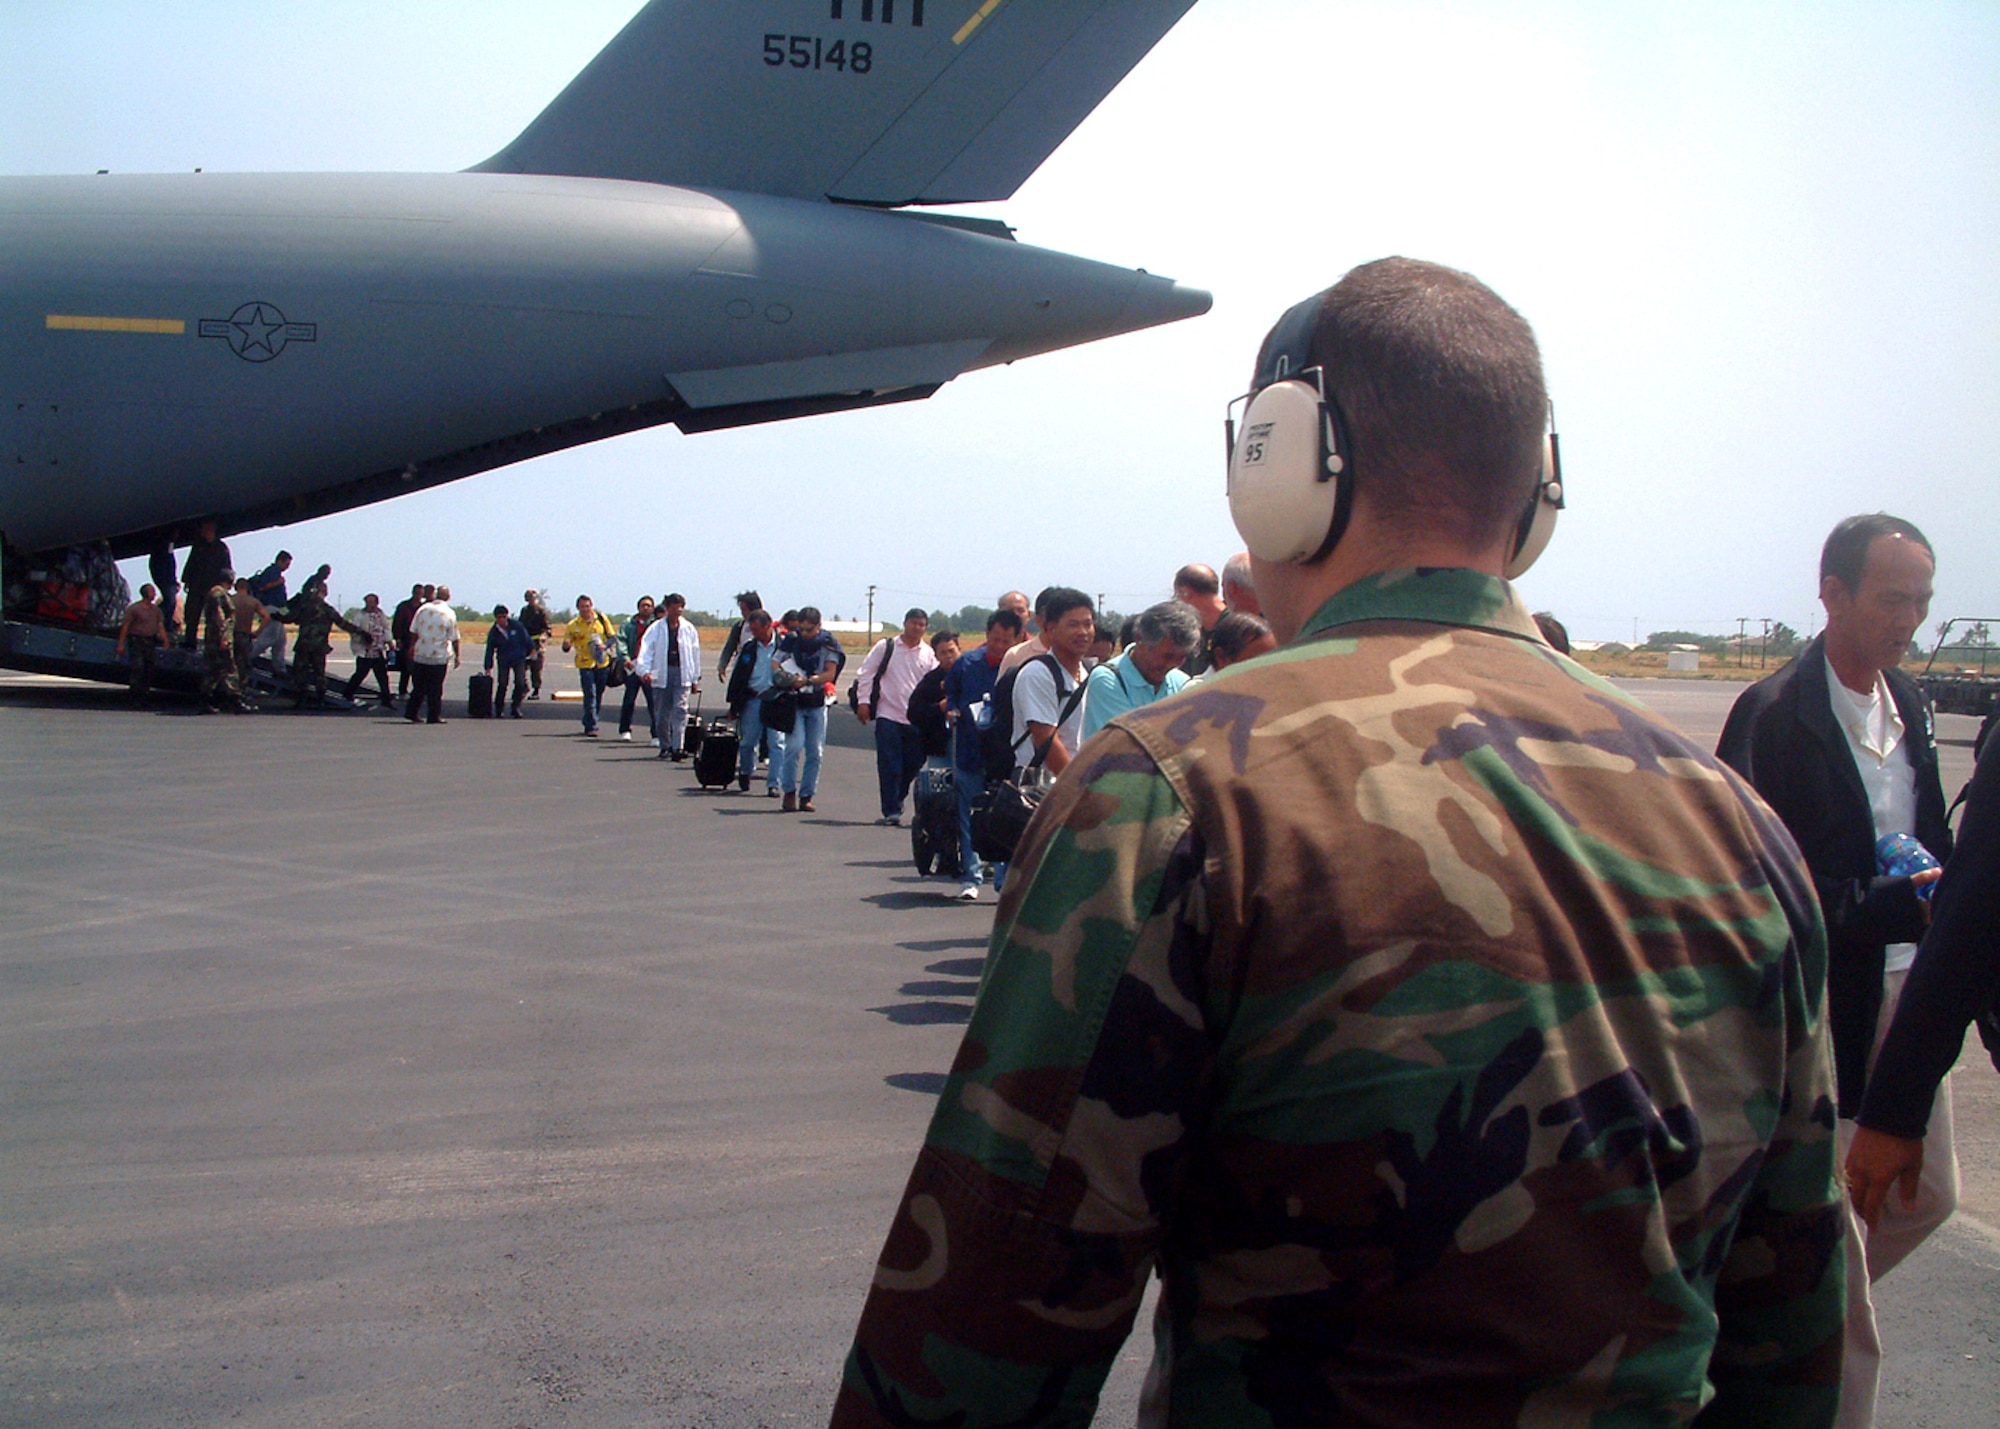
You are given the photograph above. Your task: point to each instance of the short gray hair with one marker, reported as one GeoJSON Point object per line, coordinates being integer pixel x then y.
{"type": "Point", "coordinates": [1174, 621]}
{"type": "Point", "coordinates": [1236, 572]}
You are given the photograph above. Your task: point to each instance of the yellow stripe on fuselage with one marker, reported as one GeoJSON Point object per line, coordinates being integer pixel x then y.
{"type": "Point", "coordinates": [978, 19]}
{"type": "Point", "coordinates": [70, 322]}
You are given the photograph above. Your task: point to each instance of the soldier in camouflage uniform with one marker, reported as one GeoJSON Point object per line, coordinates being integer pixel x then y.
{"type": "Point", "coordinates": [220, 687]}
{"type": "Point", "coordinates": [315, 618]}
{"type": "Point", "coordinates": [1444, 1028]}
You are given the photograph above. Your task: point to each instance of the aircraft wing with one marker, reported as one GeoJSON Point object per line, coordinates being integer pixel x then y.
{"type": "Point", "coordinates": [868, 101]}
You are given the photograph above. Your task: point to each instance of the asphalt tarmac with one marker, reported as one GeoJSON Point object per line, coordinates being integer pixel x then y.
{"type": "Point", "coordinates": [362, 1073]}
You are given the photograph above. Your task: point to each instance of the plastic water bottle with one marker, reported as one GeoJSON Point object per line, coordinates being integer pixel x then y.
{"type": "Point", "coordinates": [982, 713]}
{"type": "Point", "coordinates": [1900, 855]}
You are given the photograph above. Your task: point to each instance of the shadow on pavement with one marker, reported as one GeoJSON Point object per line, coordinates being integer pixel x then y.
{"type": "Point", "coordinates": [926, 1014]}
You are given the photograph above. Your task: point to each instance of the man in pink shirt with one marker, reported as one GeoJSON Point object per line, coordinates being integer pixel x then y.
{"type": "Point", "coordinates": [885, 680]}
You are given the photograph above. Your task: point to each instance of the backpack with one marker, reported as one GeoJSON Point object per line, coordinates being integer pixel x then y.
{"type": "Point", "coordinates": [997, 744]}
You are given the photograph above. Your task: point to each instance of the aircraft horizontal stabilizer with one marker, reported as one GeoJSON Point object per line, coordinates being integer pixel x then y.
{"type": "Point", "coordinates": [867, 101]}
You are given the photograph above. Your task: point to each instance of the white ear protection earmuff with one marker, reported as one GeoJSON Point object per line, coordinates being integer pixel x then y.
{"type": "Point", "coordinates": [1291, 482]}
{"type": "Point", "coordinates": [1289, 490]}
{"type": "Point", "coordinates": [1538, 522]}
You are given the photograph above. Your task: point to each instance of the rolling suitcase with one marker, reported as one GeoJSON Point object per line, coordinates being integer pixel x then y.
{"type": "Point", "coordinates": [715, 765]}
{"type": "Point", "coordinates": [479, 697]}
{"type": "Point", "coordinates": [934, 828]}
{"type": "Point", "coordinates": [691, 736]}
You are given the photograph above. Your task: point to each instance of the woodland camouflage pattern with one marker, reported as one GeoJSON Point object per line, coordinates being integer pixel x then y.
{"type": "Point", "coordinates": [1444, 1027]}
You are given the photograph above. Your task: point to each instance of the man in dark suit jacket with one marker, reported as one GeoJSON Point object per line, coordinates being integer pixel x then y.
{"type": "Point", "coordinates": [1841, 744]}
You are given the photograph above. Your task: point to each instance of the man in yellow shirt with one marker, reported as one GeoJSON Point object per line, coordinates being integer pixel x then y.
{"type": "Point", "coordinates": [594, 644]}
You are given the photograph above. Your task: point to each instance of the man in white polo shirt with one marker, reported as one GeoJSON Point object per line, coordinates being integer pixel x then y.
{"type": "Point", "coordinates": [1840, 743]}
{"type": "Point", "coordinates": [1048, 709]}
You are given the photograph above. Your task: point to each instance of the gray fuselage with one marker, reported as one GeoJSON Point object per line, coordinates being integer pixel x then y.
{"type": "Point", "coordinates": [261, 348]}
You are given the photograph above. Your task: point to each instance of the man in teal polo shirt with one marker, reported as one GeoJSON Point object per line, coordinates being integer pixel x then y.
{"type": "Point", "coordinates": [1150, 669]}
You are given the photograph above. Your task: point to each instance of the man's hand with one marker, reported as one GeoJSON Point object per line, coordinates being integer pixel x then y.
{"type": "Point", "coordinates": [863, 713]}
{"type": "Point", "coordinates": [646, 679]}
{"type": "Point", "coordinates": [1877, 1161]}
{"type": "Point", "coordinates": [1921, 881]}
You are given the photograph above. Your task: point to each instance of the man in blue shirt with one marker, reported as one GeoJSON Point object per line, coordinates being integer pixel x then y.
{"type": "Point", "coordinates": [818, 658]}
{"type": "Point", "coordinates": [1150, 669]}
{"type": "Point", "coordinates": [968, 686]}
{"type": "Point", "coordinates": [752, 676]}
{"type": "Point", "coordinates": [268, 585]}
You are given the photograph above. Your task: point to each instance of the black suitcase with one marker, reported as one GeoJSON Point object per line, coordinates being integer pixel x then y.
{"type": "Point", "coordinates": [479, 697]}
{"type": "Point", "coordinates": [715, 765]}
{"type": "Point", "coordinates": [691, 734]}
{"type": "Point", "coordinates": [934, 827]}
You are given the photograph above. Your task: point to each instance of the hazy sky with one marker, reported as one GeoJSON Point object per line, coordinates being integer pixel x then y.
{"type": "Point", "coordinates": [1760, 245]}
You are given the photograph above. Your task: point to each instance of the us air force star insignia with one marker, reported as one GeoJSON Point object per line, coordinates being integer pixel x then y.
{"type": "Point", "coordinates": [258, 332]}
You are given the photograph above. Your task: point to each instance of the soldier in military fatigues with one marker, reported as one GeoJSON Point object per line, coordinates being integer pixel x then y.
{"type": "Point", "coordinates": [220, 687]}
{"type": "Point", "coordinates": [1443, 1027]}
{"type": "Point", "coordinates": [316, 619]}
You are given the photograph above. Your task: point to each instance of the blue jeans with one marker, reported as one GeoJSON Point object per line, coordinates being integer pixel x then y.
{"type": "Point", "coordinates": [803, 747]}
{"type": "Point", "coordinates": [971, 783]}
{"type": "Point", "coordinates": [899, 754]}
{"type": "Point", "coordinates": [634, 687]}
{"type": "Point", "coordinates": [752, 730]}
{"type": "Point", "coordinates": [593, 695]}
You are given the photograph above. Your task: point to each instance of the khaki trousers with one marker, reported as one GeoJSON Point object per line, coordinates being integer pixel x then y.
{"type": "Point", "coordinates": [1900, 1229]}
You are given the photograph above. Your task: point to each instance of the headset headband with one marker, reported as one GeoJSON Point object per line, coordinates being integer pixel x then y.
{"type": "Point", "coordinates": [1290, 344]}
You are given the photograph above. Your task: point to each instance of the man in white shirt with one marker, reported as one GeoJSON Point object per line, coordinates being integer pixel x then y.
{"type": "Point", "coordinates": [1840, 744]}
{"type": "Point", "coordinates": [434, 649]}
{"type": "Point", "coordinates": [669, 663]}
{"type": "Point", "coordinates": [1048, 708]}
{"type": "Point", "coordinates": [1239, 586]}
{"type": "Point", "coordinates": [886, 679]}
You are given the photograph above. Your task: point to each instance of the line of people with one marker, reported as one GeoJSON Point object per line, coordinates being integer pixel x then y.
{"type": "Point", "coordinates": [1020, 704]}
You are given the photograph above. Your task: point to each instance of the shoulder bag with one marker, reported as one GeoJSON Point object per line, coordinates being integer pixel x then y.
{"type": "Point", "coordinates": [1000, 815]}
{"type": "Point", "coordinates": [617, 669]}
{"type": "Point", "coordinates": [875, 691]}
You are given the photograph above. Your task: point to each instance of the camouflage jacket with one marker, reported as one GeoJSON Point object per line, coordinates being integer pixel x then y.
{"type": "Point", "coordinates": [315, 619]}
{"type": "Point", "coordinates": [1442, 1025]}
{"type": "Point", "coordinates": [220, 631]}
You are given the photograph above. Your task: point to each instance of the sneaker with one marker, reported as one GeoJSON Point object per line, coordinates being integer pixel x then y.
{"type": "Point", "coordinates": [791, 805]}
{"type": "Point", "coordinates": [805, 806]}
{"type": "Point", "coordinates": [656, 741]}
{"type": "Point", "coordinates": [626, 735]}
{"type": "Point", "coordinates": [770, 791]}
{"type": "Point", "coordinates": [890, 821]}
{"type": "Point", "coordinates": [968, 893]}
{"type": "Point", "coordinates": [743, 783]}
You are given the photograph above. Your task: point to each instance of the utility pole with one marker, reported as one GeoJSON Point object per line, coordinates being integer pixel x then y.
{"type": "Point", "coordinates": [1765, 648]}
{"type": "Point", "coordinates": [871, 612]}
{"type": "Point", "coordinates": [1742, 637]}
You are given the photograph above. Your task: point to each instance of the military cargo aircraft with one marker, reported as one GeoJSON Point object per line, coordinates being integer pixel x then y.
{"type": "Point", "coordinates": [721, 221]}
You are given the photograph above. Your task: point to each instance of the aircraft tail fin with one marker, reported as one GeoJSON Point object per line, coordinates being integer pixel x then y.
{"type": "Point", "coordinates": [868, 101]}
